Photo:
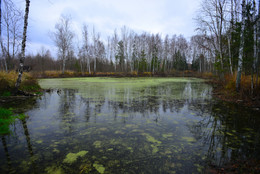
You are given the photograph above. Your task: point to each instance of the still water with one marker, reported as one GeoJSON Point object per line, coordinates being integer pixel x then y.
{"type": "Point", "coordinates": [128, 125]}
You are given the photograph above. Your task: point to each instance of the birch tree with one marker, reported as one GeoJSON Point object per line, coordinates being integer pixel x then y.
{"type": "Point", "coordinates": [241, 47]}
{"type": "Point", "coordinates": [12, 18]}
{"type": "Point", "coordinates": [63, 38]}
{"type": "Point", "coordinates": [86, 46]}
{"type": "Point", "coordinates": [10, 34]}
{"type": "Point", "coordinates": [211, 21]}
{"type": "Point", "coordinates": [19, 79]}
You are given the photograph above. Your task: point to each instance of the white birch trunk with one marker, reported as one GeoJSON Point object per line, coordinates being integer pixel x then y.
{"type": "Point", "coordinates": [19, 79]}
{"type": "Point", "coordinates": [255, 50]}
{"type": "Point", "coordinates": [241, 48]}
{"type": "Point", "coordinates": [229, 55]}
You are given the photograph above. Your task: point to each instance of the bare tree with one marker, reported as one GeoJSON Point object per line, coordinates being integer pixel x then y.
{"type": "Point", "coordinates": [19, 79]}
{"type": "Point", "coordinates": [63, 37]}
{"type": "Point", "coordinates": [115, 41]}
{"type": "Point", "coordinates": [212, 21]}
{"type": "Point", "coordinates": [12, 21]}
{"type": "Point", "coordinates": [85, 48]}
{"type": "Point", "coordinates": [10, 29]}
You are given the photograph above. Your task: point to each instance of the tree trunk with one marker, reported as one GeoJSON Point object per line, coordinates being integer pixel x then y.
{"type": "Point", "coordinates": [95, 65]}
{"type": "Point", "coordinates": [230, 37]}
{"type": "Point", "coordinates": [19, 79]}
{"type": "Point", "coordinates": [229, 55]}
{"type": "Point", "coordinates": [63, 64]}
{"type": "Point", "coordinates": [241, 48]}
{"type": "Point", "coordinates": [255, 51]}
{"type": "Point", "coordinates": [258, 45]}
{"type": "Point", "coordinates": [2, 47]}
{"type": "Point", "coordinates": [89, 66]}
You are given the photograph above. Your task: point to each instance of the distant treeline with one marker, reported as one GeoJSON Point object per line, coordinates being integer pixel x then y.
{"type": "Point", "coordinates": [227, 41]}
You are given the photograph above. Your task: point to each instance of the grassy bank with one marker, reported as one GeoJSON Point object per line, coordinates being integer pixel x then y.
{"type": "Point", "coordinates": [7, 83]}
{"type": "Point", "coordinates": [223, 88]}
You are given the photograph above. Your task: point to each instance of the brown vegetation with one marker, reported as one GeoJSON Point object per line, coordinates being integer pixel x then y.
{"type": "Point", "coordinates": [8, 80]}
{"type": "Point", "coordinates": [173, 73]}
{"type": "Point", "coordinates": [226, 90]}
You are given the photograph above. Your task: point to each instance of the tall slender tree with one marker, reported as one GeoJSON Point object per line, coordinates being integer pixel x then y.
{"type": "Point", "coordinates": [63, 38]}
{"type": "Point", "coordinates": [241, 47]}
{"type": "Point", "coordinates": [19, 79]}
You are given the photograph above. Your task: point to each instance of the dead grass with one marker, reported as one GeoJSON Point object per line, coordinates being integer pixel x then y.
{"type": "Point", "coordinates": [226, 90]}
{"type": "Point", "coordinates": [8, 80]}
{"type": "Point", "coordinates": [67, 74]}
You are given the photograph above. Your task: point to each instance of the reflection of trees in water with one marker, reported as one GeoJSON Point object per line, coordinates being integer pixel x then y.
{"type": "Point", "coordinates": [8, 158]}
{"type": "Point", "coordinates": [67, 106]}
{"type": "Point", "coordinates": [27, 135]}
{"type": "Point", "coordinates": [228, 135]}
{"type": "Point", "coordinates": [21, 104]}
{"type": "Point", "coordinates": [13, 169]}
{"type": "Point", "coordinates": [146, 100]}
{"type": "Point", "coordinates": [29, 145]}
{"type": "Point", "coordinates": [87, 112]}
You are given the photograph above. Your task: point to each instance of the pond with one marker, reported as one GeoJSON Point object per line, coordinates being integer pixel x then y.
{"type": "Point", "coordinates": [128, 125]}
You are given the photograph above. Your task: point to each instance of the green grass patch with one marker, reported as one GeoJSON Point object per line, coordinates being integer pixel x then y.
{"type": "Point", "coordinates": [6, 94]}
{"type": "Point", "coordinates": [7, 117]}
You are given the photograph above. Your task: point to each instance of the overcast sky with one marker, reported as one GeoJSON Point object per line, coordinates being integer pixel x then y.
{"type": "Point", "coordinates": [153, 16]}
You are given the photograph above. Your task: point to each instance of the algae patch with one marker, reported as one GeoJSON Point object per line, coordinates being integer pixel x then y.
{"type": "Point", "coordinates": [155, 143]}
{"type": "Point", "coordinates": [54, 170]}
{"type": "Point", "coordinates": [97, 144]}
{"type": "Point", "coordinates": [99, 167]}
{"type": "Point", "coordinates": [189, 139]}
{"type": "Point", "coordinates": [72, 157]}
{"type": "Point", "coordinates": [151, 139]}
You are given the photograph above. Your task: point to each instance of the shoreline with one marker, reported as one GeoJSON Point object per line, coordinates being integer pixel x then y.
{"type": "Point", "coordinates": [219, 89]}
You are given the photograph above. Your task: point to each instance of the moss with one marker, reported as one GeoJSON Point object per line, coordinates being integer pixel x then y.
{"type": "Point", "coordinates": [72, 157]}
{"type": "Point", "coordinates": [99, 167]}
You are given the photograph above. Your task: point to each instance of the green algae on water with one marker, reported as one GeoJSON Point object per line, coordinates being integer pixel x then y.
{"type": "Point", "coordinates": [189, 139]}
{"type": "Point", "coordinates": [151, 139]}
{"type": "Point", "coordinates": [72, 157]}
{"type": "Point", "coordinates": [99, 167]}
{"type": "Point", "coordinates": [54, 170]}
{"type": "Point", "coordinates": [114, 88]}
{"type": "Point", "coordinates": [97, 144]}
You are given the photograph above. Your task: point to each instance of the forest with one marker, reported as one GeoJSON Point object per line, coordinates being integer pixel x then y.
{"type": "Point", "coordinates": [226, 43]}
{"type": "Point", "coordinates": [135, 101]}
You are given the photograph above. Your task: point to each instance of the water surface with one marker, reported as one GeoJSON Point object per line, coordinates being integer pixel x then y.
{"type": "Point", "coordinates": [128, 125]}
